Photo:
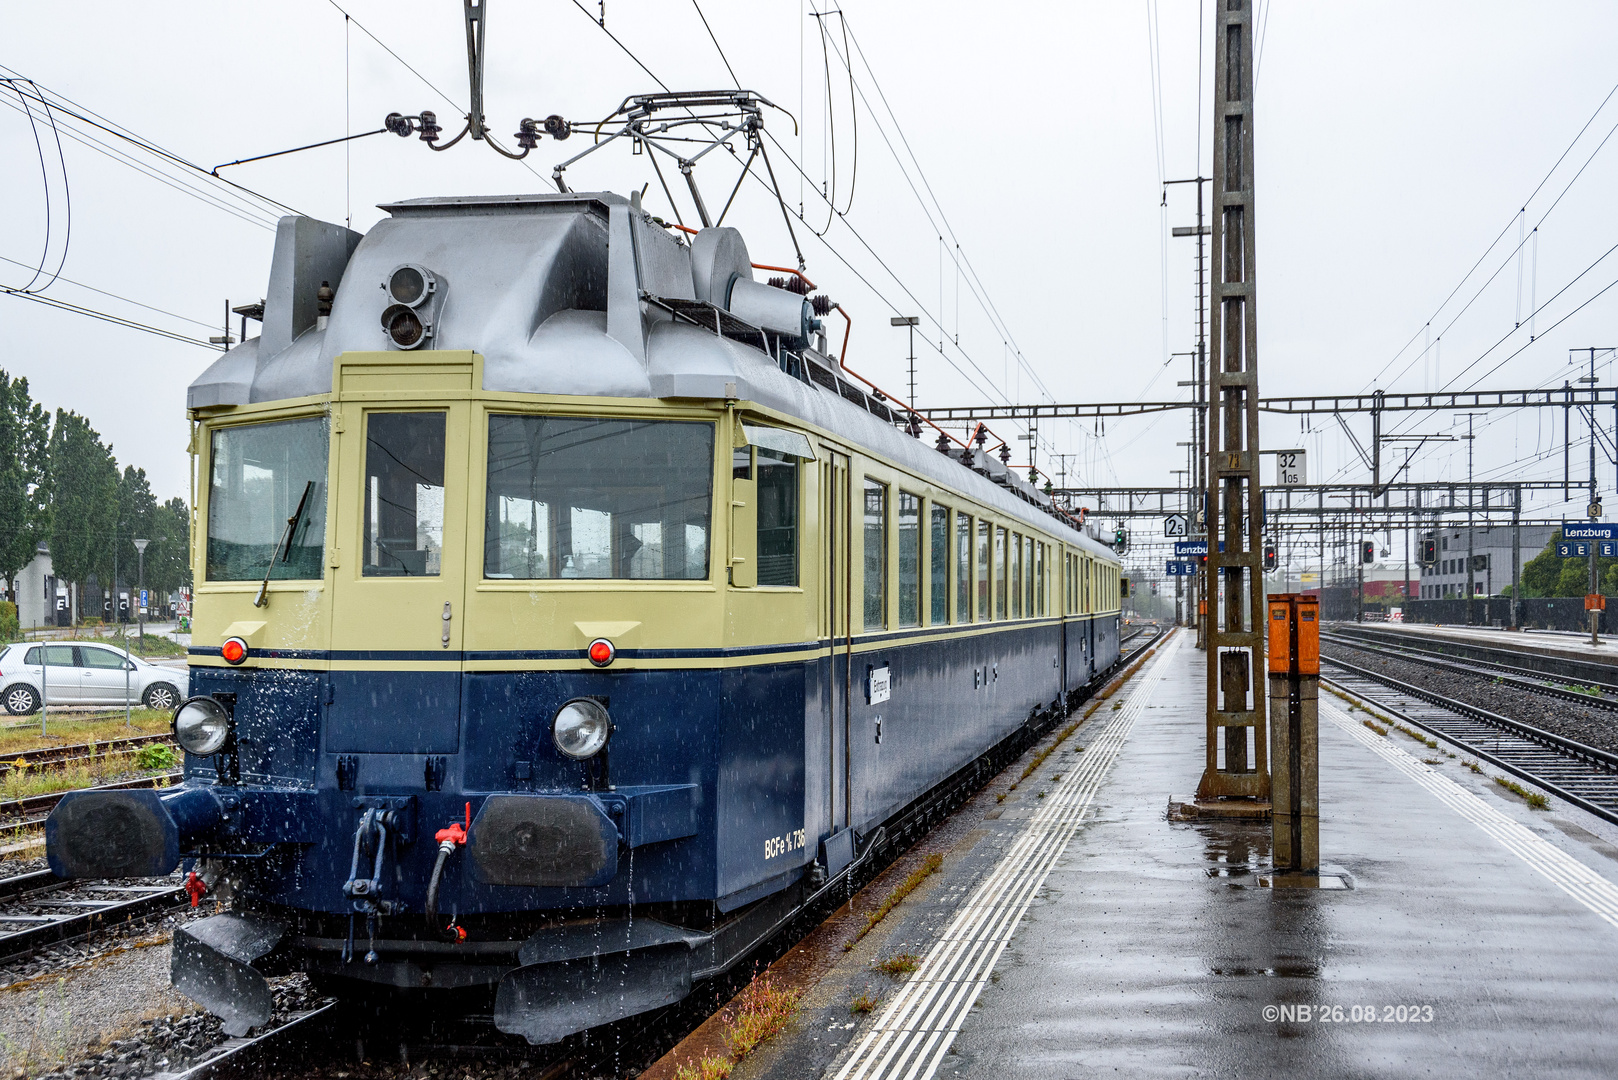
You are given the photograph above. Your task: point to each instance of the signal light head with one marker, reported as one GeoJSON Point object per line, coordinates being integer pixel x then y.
{"type": "Point", "coordinates": [234, 650]}
{"type": "Point", "coordinates": [601, 652]}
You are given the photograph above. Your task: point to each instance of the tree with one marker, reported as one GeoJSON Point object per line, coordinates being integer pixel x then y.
{"type": "Point", "coordinates": [1546, 574]}
{"type": "Point", "coordinates": [24, 495]}
{"type": "Point", "coordinates": [168, 560]}
{"type": "Point", "coordinates": [84, 490]}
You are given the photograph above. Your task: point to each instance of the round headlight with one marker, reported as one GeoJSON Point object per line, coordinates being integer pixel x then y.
{"type": "Point", "coordinates": [404, 326]}
{"type": "Point", "coordinates": [201, 726]}
{"type": "Point", "coordinates": [581, 728]}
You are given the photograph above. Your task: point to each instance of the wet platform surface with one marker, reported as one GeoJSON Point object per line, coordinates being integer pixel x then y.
{"type": "Point", "coordinates": [1081, 933]}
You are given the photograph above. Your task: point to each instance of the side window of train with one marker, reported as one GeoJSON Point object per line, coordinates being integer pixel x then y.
{"type": "Point", "coordinates": [1000, 582]}
{"type": "Point", "coordinates": [776, 475]}
{"type": "Point", "coordinates": [1016, 575]}
{"type": "Point", "coordinates": [963, 568]}
{"type": "Point", "coordinates": [983, 569]}
{"type": "Point", "coordinates": [938, 563]}
{"type": "Point", "coordinates": [875, 537]}
{"type": "Point", "coordinates": [576, 497]}
{"type": "Point", "coordinates": [909, 559]}
{"type": "Point", "coordinates": [404, 494]}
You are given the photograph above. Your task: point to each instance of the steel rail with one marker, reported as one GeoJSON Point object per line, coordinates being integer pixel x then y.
{"type": "Point", "coordinates": [1585, 776]}
{"type": "Point", "coordinates": [47, 802]}
{"type": "Point", "coordinates": [1533, 682]}
{"type": "Point", "coordinates": [244, 1053]}
{"type": "Point", "coordinates": [61, 755]}
{"type": "Point", "coordinates": [77, 923]}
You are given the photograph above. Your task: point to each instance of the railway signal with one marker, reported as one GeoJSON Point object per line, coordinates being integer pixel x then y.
{"type": "Point", "coordinates": [1429, 551]}
{"type": "Point", "coordinates": [1368, 551]}
{"type": "Point", "coordinates": [1271, 560]}
{"type": "Point", "coordinates": [1120, 539]}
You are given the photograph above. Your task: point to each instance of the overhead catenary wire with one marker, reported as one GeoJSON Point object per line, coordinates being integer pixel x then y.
{"type": "Point", "coordinates": [115, 296]}
{"type": "Point", "coordinates": [45, 184]}
{"type": "Point", "coordinates": [116, 320]}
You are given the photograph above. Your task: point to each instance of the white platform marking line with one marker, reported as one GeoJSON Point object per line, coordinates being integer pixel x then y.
{"type": "Point", "coordinates": [918, 1025]}
{"type": "Point", "coordinates": [1564, 871]}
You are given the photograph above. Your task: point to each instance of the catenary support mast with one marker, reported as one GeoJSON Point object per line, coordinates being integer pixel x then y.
{"type": "Point", "coordinates": [1236, 704]}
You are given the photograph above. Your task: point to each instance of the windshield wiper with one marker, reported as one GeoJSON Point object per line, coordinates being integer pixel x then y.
{"type": "Point", "coordinates": [284, 546]}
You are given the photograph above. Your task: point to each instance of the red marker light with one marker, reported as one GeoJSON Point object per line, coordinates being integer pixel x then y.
{"type": "Point", "coordinates": [601, 652]}
{"type": "Point", "coordinates": [234, 650]}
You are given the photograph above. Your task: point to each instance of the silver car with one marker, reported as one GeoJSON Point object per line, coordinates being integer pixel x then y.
{"type": "Point", "coordinates": [82, 673]}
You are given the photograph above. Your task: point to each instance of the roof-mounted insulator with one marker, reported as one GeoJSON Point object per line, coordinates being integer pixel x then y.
{"type": "Point", "coordinates": [792, 285]}
{"type": "Point", "coordinates": [821, 305]}
{"type": "Point", "coordinates": [323, 299]}
{"type": "Point", "coordinates": [1005, 453]}
{"type": "Point", "coordinates": [943, 443]}
{"type": "Point", "coordinates": [429, 127]}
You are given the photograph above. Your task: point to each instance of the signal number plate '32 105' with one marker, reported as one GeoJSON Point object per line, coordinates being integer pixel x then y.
{"type": "Point", "coordinates": [780, 845]}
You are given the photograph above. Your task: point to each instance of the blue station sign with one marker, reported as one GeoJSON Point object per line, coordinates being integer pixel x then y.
{"type": "Point", "coordinates": [1590, 530]}
{"type": "Point", "coordinates": [1180, 568]}
{"type": "Point", "coordinates": [1607, 549]}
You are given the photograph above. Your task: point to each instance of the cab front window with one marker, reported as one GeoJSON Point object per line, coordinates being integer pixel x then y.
{"type": "Point", "coordinates": [262, 476]}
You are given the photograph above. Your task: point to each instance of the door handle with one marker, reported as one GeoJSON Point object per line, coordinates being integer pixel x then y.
{"type": "Point", "coordinates": [447, 617]}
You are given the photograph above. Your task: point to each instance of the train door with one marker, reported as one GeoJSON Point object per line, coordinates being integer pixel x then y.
{"type": "Point", "coordinates": [400, 555]}
{"type": "Point", "coordinates": [835, 512]}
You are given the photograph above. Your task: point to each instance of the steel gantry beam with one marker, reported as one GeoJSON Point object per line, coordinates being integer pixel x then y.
{"type": "Point", "coordinates": [1310, 500]}
{"type": "Point", "coordinates": [1308, 404]}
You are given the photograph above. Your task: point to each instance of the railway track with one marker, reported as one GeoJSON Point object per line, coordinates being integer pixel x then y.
{"type": "Point", "coordinates": [33, 810]}
{"type": "Point", "coordinates": [1604, 697]}
{"type": "Point", "coordinates": [39, 909]}
{"type": "Point", "coordinates": [77, 752]}
{"type": "Point", "coordinates": [1532, 666]}
{"type": "Point", "coordinates": [1583, 775]}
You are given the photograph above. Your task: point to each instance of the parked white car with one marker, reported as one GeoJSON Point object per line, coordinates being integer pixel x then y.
{"type": "Point", "coordinates": [82, 673]}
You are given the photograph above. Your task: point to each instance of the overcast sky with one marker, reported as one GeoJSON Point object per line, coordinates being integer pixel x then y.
{"type": "Point", "coordinates": [1395, 144]}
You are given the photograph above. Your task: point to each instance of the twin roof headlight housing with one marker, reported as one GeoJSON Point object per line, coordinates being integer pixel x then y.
{"type": "Point", "coordinates": [408, 318]}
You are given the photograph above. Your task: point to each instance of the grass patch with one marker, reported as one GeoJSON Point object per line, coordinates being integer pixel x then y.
{"type": "Point", "coordinates": [1001, 797]}
{"type": "Point", "coordinates": [25, 781]}
{"type": "Point", "coordinates": [1039, 758]}
{"type": "Point", "coordinates": [1533, 798]}
{"type": "Point", "coordinates": [1374, 726]}
{"type": "Point", "coordinates": [864, 1003]}
{"type": "Point", "coordinates": [761, 1010]}
{"type": "Point", "coordinates": [896, 897]}
{"type": "Point", "coordinates": [899, 964]}
{"type": "Point", "coordinates": [1432, 761]}
{"type": "Point", "coordinates": [1474, 766]}
{"type": "Point", "coordinates": [23, 732]}
{"type": "Point", "coordinates": [1118, 683]}
{"type": "Point", "coordinates": [1431, 744]}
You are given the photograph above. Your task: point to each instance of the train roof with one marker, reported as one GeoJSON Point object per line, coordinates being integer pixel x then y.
{"type": "Point", "coordinates": [578, 293]}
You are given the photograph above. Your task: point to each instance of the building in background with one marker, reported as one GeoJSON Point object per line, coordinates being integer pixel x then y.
{"type": "Point", "coordinates": [1491, 552]}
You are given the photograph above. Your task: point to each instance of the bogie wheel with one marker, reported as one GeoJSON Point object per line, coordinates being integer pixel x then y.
{"type": "Point", "coordinates": [21, 699]}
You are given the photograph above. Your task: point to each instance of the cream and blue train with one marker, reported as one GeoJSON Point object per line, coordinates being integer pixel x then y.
{"type": "Point", "coordinates": [565, 618]}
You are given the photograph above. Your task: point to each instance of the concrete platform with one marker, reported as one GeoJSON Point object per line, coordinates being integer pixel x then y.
{"type": "Point", "coordinates": [1558, 643]}
{"type": "Point", "coordinates": [1089, 935]}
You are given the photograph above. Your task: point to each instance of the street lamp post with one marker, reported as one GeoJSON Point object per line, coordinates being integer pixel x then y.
{"type": "Point", "coordinates": [140, 593]}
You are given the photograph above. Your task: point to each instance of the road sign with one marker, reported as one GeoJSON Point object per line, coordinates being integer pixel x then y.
{"type": "Point", "coordinates": [1589, 530]}
{"type": "Point", "coordinates": [1180, 568]}
{"type": "Point", "coordinates": [1175, 525]}
{"type": "Point", "coordinates": [1290, 468]}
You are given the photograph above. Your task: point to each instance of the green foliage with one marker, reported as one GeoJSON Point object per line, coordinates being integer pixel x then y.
{"type": "Point", "coordinates": [1547, 575]}
{"type": "Point", "coordinates": [24, 493]}
{"type": "Point", "coordinates": [155, 756]}
{"type": "Point", "coordinates": [9, 629]}
{"type": "Point", "coordinates": [84, 500]}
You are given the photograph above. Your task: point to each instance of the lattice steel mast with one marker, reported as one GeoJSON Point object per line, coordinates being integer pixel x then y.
{"type": "Point", "coordinates": [1236, 705]}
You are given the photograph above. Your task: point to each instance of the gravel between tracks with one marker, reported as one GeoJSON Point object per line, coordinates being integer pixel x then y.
{"type": "Point", "coordinates": [1594, 726]}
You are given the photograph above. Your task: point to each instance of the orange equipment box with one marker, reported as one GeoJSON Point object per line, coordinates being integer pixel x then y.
{"type": "Point", "coordinates": [1294, 617]}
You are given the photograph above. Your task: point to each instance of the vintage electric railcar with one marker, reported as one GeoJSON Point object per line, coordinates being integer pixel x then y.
{"type": "Point", "coordinates": [565, 617]}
